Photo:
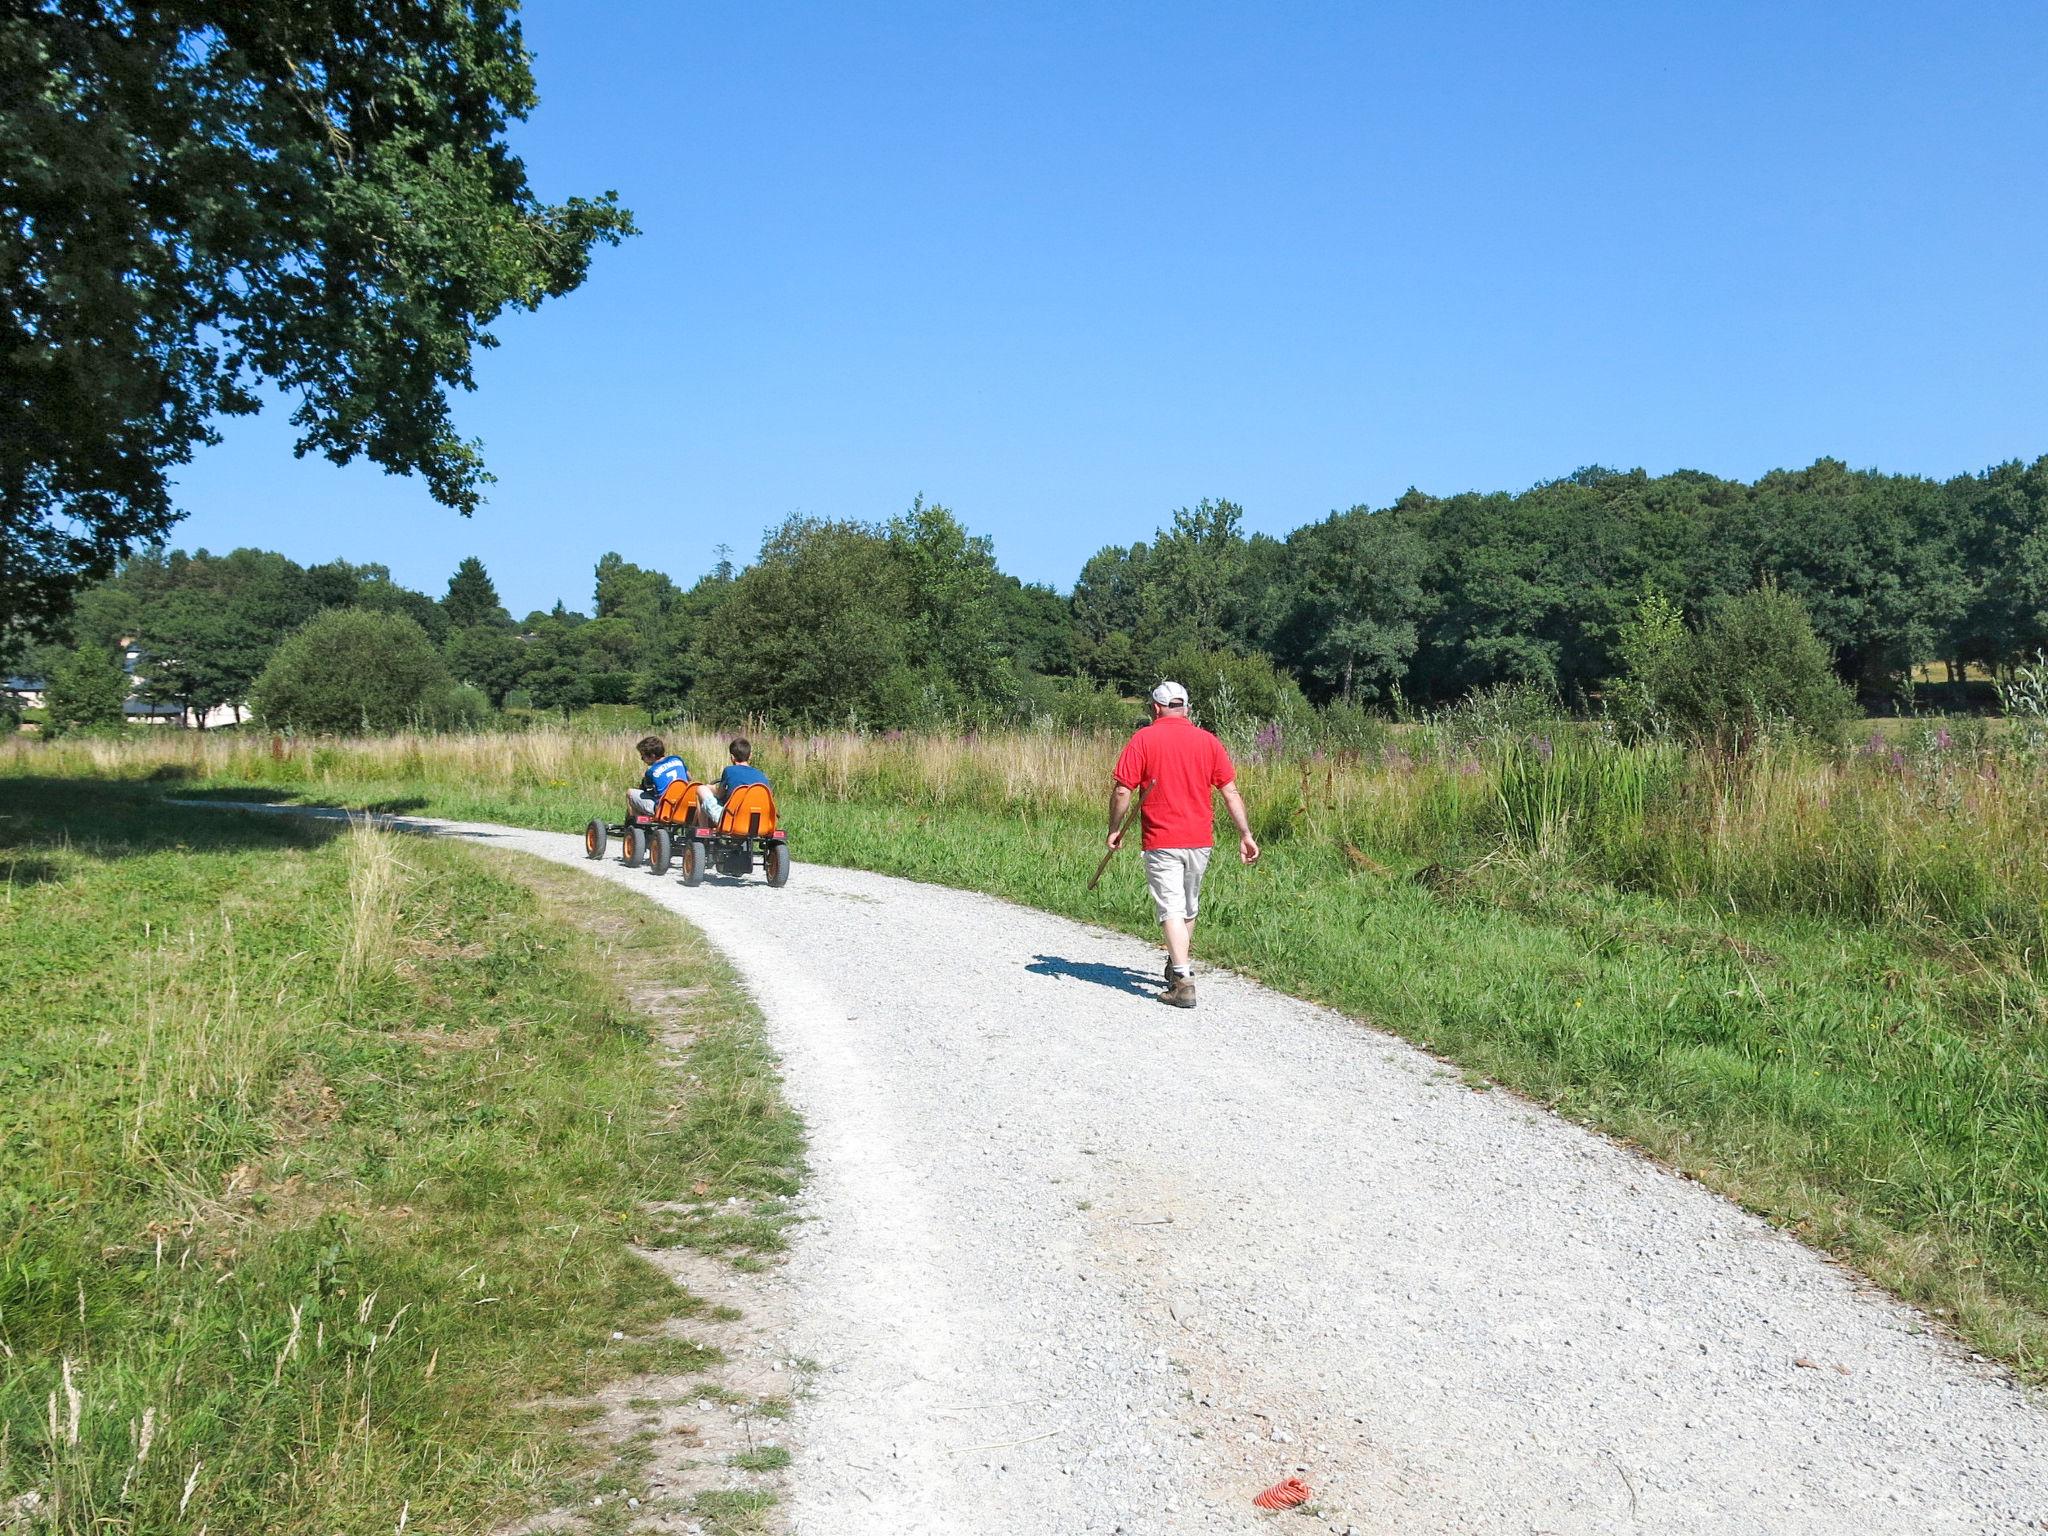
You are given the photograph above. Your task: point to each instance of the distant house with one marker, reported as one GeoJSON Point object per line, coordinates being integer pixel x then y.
{"type": "Point", "coordinates": [25, 691]}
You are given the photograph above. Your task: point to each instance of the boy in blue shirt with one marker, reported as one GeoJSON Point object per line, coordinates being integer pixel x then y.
{"type": "Point", "coordinates": [663, 769]}
{"type": "Point", "coordinates": [738, 772]}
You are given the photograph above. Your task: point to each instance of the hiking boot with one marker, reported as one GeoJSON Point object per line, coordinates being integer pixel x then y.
{"type": "Point", "coordinates": [1179, 993]}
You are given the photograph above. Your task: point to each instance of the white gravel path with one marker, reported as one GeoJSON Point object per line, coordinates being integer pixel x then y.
{"type": "Point", "coordinates": [1078, 1263]}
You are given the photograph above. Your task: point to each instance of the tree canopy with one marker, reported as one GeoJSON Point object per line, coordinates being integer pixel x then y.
{"type": "Point", "coordinates": [910, 621]}
{"type": "Point", "coordinates": [199, 199]}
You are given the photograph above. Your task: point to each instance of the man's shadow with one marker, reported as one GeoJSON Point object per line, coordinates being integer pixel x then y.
{"type": "Point", "coordinates": [1119, 978]}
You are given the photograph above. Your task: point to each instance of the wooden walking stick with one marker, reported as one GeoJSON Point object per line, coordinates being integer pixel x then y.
{"type": "Point", "coordinates": [1110, 853]}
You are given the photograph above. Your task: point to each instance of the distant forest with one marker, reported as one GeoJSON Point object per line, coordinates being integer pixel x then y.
{"type": "Point", "coordinates": [911, 621]}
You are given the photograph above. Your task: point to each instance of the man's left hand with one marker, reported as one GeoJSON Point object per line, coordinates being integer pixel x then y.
{"type": "Point", "coordinates": [1248, 848]}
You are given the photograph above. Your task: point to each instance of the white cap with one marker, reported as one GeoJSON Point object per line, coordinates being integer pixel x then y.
{"type": "Point", "coordinates": [1169, 693]}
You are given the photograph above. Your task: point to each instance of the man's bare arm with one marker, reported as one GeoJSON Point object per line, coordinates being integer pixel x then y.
{"type": "Point", "coordinates": [1119, 803]}
{"type": "Point", "coordinates": [1233, 802]}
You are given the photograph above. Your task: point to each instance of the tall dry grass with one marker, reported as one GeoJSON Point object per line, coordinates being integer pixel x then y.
{"type": "Point", "coordinates": [1943, 833]}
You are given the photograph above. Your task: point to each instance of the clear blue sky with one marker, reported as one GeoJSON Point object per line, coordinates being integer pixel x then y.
{"type": "Point", "coordinates": [1067, 267]}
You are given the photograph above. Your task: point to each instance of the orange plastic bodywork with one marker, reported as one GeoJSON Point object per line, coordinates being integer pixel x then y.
{"type": "Point", "coordinates": [746, 802]}
{"type": "Point", "coordinates": [678, 803]}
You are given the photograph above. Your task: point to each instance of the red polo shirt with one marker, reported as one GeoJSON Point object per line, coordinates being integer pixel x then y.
{"type": "Point", "coordinates": [1184, 764]}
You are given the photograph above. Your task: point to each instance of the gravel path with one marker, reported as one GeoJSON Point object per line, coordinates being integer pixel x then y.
{"type": "Point", "coordinates": [1078, 1263]}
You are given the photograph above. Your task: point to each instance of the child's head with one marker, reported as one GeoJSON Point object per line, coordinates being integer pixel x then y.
{"type": "Point", "coordinates": [652, 747]}
{"type": "Point", "coordinates": [741, 749]}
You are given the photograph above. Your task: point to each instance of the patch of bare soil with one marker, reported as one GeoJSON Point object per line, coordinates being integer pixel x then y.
{"type": "Point", "coordinates": [722, 1430]}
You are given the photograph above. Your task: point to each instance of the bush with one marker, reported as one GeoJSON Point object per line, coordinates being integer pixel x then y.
{"type": "Point", "coordinates": [1074, 704]}
{"type": "Point", "coordinates": [88, 692]}
{"type": "Point", "coordinates": [1756, 668]}
{"type": "Point", "coordinates": [352, 669]}
{"type": "Point", "coordinates": [1234, 695]}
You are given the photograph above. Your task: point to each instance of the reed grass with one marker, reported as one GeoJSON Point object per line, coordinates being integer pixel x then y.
{"type": "Point", "coordinates": [1943, 833]}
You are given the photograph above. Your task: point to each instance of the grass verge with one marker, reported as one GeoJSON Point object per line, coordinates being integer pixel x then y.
{"type": "Point", "coordinates": [319, 1154]}
{"type": "Point", "coordinates": [1878, 1086]}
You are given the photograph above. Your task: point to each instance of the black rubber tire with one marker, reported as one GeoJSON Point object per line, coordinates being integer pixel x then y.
{"type": "Point", "coordinates": [660, 848]}
{"type": "Point", "coordinates": [691, 857]}
{"type": "Point", "coordinates": [593, 840]}
{"type": "Point", "coordinates": [775, 861]}
{"type": "Point", "coordinates": [635, 849]}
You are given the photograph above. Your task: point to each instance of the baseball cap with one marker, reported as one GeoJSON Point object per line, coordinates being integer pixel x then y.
{"type": "Point", "coordinates": [1169, 693]}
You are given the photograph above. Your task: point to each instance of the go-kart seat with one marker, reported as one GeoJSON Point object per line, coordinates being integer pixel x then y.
{"type": "Point", "coordinates": [749, 813]}
{"type": "Point", "coordinates": [677, 805]}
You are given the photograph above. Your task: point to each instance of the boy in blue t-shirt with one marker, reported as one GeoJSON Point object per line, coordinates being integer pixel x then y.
{"type": "Point", "coordinates": [738, 772]}
{"type": "Point", "coordinates": [663, 769]}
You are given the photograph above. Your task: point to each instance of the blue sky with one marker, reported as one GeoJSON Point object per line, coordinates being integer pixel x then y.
{"type": "Point", "coordinates": [1067, 267]}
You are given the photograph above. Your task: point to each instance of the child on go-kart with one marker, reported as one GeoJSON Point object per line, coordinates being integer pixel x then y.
{"type": "Point", "coordinates": [711, 798]}
{"type": "Point", "coordinates": [663, 769]}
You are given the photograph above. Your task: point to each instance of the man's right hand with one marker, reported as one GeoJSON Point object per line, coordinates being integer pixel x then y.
{"type": "Point", "coordinates": [1116, 839]}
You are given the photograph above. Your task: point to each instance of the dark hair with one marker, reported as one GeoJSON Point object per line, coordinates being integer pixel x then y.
{"type": "Point", "coordinates": [741, 749]}
{"type": "Point", "coordinates": [652, 746]}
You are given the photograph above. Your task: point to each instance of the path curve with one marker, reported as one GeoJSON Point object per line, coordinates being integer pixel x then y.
{"type": "Point", "coordinates": [1078, 1263]}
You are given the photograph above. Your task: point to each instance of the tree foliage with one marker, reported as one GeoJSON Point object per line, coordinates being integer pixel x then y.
{"type": "Point", "coordinates": [354, 670]}
{"type": "Point", "coordinates": [1535, 595]}
{"type": "Point", "coordinates": [199, 199]}
{"type": "Point", "coordinates": [88, 691]}
{"type": "Point", "coordinates": [471, 600]}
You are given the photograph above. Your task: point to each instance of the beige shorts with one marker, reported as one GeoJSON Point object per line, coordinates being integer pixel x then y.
{"type": "Point", "coordinates": [1175, 878]}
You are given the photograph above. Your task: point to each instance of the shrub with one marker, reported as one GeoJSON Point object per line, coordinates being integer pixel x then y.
{"type": "Point", "coordinates": [1235, 695]}
{"type": "Point", "coordinates": [88, 691]}
{"type": "Point", "coordinates": [1755, 668]}
{"type": "Point", "coordinates": [1074, 704]}
{"type": "Point", "coordinates": [351, 669]}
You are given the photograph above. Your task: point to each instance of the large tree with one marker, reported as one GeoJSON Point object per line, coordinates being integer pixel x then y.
{"type": "Point", "coordinates": [200, 198]}
{"type": "Point", "coordinates": [1354, 589]}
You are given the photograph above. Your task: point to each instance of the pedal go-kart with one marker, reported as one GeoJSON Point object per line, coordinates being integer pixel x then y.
{"type": "Point", "coordinates": [746, 834]}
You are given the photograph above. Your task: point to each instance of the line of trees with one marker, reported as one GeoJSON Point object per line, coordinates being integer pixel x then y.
{"type": "Point", "coordinates": [911, 621]}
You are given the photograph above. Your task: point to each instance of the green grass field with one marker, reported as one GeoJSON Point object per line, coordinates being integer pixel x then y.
{"type": "Point", "coordinates": [1814, 984]}
{"type": "Point", "coordinates": [319, 1150]}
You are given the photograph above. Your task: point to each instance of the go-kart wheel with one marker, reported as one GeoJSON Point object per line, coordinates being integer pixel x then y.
{"type": "Point", "coordinates": [660, 847]}
{"type": "Point", "coordinates": [593, 840]}
{"type": "Point", "coordinates": [775, 862]}
{"type": "Point", "coordinates": [692, 859]}
{"type": "Point", "coordinates": [635, 849]}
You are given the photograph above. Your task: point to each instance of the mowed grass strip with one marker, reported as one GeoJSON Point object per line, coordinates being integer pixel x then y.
{"type": "Point", "coordinates": [319, 1150]}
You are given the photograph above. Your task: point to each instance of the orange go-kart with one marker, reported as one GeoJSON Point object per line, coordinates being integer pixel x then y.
{"type": "Point", "coordinates": [747, 832]}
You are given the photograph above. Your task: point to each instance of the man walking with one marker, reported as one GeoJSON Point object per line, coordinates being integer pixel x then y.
{"type": "Point", "coordinates": [1179, 765]}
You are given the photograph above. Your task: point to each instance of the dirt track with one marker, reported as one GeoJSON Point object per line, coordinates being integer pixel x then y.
{"type": "Point", "coordinates": [1078, 1263]}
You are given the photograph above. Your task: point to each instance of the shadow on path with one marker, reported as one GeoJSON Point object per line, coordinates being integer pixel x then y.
{"type": "Point", "coordinates": [1118, 978]}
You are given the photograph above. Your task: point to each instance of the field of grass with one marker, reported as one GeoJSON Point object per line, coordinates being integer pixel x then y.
{"type": "Point", "coordinates": [1813, 981]}
{"type": "Point", "coordinates": [319, 1151]}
